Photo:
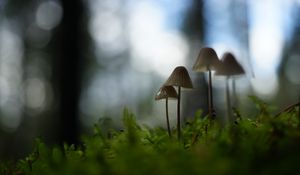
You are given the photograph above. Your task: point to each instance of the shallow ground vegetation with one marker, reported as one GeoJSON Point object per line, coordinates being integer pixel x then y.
{"type": "Point", "coordinates": [266, 144]}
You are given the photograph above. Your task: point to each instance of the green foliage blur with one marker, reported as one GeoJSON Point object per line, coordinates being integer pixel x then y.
{"type": "Point", "coordinates": [267, 144]}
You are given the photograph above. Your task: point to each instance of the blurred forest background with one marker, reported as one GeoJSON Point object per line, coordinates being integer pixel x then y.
{"type": "Point", "coordinates": [65, 65]}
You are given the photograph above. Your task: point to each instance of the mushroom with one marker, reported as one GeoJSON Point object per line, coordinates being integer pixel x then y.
{"type": "Point", "coordinates": [180, 78]}
{"type": "Point", "coordinates": [166, 92]}
{"type": "Point", "coordinates": [207, 60]}
{"type": "Point", "coordinates": [230, 68]}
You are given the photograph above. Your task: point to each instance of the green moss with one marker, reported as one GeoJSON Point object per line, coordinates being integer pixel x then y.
{"type": "Point", "coordinates": [266, 144]}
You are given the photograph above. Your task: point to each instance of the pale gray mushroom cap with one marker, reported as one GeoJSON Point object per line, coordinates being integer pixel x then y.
{"type": "Point", "coordinates": [207, 59]}
{"type": "Point", "coordinates": [179, 77]}
{"type": "Point", "coordinates": [166, 92]}
{"type": "Point", "coordinates": [229, 66]}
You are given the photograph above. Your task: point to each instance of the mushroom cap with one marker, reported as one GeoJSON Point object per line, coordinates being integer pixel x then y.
{"type": "Point", "coordinates": [229, 66]}
{"type": "Point", "coordinates": [179, 77]}
{"type": "Point", "coordinates": [166, 92]}
{"type": "Point", "coordinates": [207, 59]}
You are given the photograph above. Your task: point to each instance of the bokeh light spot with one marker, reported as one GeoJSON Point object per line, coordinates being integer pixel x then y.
{"type": "Point", "coordinates": [48, 15]}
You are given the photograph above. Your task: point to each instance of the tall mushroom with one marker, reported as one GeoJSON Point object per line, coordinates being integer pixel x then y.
{"type": "Point", "coordinates": [166, 92]}
{"type": "Point", "coordinates": [180, 78]}
{"type": "Point", "coordinates": [207, 60]}
{"type": "Point", "coordinates": [230, 68]}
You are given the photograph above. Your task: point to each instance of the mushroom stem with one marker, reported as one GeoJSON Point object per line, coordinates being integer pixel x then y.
{"type": "Point", "coordinates": [228, 101]}
{"type": "Point", "coordinates": [178, 113]}
{"type": "Point", "coordinates": [210, 96]}
{"type": "Point", "coordinates": [234, 93]}
{"type": "Point", "coordinates": [167, 116]}
{"type": "Point", "coordinates": [299, 108]}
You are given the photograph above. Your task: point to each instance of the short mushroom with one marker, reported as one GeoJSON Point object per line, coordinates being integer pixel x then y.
{"type": "Point", "coordinates": [207, 60]}
{"type": "Point", "coordinates": [166, 92]}
{"type": "Point", "coordinates": [180, 78]}
{"type": "Point", "coordinates": [230, 68]}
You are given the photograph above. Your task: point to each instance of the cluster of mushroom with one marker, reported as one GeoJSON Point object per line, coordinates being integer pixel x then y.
{"type": "Point", "coordinates": [207, 61]}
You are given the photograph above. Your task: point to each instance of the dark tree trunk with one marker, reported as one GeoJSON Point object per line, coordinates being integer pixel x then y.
{"type": "Point", "coordinates": [194, 31]}
{"type": "Point", "coordinates": [69, 70]}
